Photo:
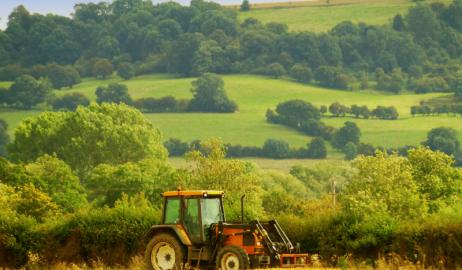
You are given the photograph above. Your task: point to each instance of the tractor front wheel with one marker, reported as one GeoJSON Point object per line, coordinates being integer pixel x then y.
{"type": "Point", "coordinates": [164, 252]}
{"type": "Point", "coordinates": [232, 258]}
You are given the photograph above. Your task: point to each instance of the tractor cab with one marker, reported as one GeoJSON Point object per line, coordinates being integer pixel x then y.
{"type": "Point", "coordinates": [195, 211]}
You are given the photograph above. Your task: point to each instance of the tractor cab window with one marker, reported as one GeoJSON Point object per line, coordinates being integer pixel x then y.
{"type": "Point", "coordinates": [172, 211]}
{"type": "Point", "coordinates": [211, 212]}
{"type": "Point", "coordinates": [191, 219]}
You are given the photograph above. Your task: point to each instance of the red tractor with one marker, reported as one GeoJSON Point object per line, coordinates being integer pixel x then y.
{"type": "Point", "coordinates": [194, 234]}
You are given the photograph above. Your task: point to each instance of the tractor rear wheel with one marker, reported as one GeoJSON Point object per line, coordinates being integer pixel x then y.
{"type": "Point", "coordinates": [164, 252]}
{"type": "Point", "coordinates": [232, 258]}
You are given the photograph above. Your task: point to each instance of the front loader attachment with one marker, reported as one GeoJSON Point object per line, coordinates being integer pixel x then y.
{"type": "Point", "coordinates": [279, 246]}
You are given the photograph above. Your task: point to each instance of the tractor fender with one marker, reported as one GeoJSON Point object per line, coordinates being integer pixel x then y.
{"type": "Point", "coordinates": [175, 230]}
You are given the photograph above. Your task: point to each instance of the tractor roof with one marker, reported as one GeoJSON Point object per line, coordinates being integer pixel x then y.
{"type": "Point", "coordinates": [201, 193]}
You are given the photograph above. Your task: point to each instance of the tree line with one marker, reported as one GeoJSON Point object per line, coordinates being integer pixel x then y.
{"type": "Point", "coordinates": [137, 37]}
{"type": "Point", "coordinates": [208, 91]}
{"type": "Point", "coordinates": [380, 112]}
{"type": "Point", "coordinates": [272, 148]}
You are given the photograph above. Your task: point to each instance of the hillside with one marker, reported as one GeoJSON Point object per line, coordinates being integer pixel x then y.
{"type": "Point", "coordinates": [315, 16]}
{"type": "Point", "coordinates": [254, 95]}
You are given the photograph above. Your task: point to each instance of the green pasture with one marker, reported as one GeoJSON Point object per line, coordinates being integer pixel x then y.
{"type": "Point", "coordinates": [254, 95]}
{"type": "Point", "coordinates": [321, 18]}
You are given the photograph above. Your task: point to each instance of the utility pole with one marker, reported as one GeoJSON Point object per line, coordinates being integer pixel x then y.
{"type": "Point", "coordinates": [334, 193]}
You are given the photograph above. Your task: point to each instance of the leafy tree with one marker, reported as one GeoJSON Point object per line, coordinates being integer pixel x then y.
{"type": "Point", "coordinates": [317, 149]}
{"type": "Point", "coordinates": [108, 47]}
{"type": "Point", "coordinates": [211, 170]}
{"type": "Point", "coordinates": [293, 113]}
{"type": "Point", "coordinates": [34, 202]}
{"type": "Point", "coordinates": [70, 102]}
{"type": "Point", "coordinates": [149, 176]}
{"type": "Point", "coordinates": [323, 109]}
{"type": "Point", "coordinates": [356, 110]}
{"type": "Point", "coordinates": [331, 77]}
{"type": "Point", "coordinates": [27, 92]}
{"type": "Point", "coordinates": [63, 76]}
{"type": "Point", "coordinates": [126, 71]}
{"type": "Point", "coordinates": [350, 132]}
{"type": "Point", "coordinates": [387, 113]}
{"type": "Point", "coordinates": [169, 29]}
{"type": "Point", "coordinates": [365, 112]}
{"type": "Point", "coordinates": [445, 140]}
{"type": "Point", "coordinates": [301, 73]}
{"type": "Point", "coordinates": [209, 95]}
{"type": "Point", "coordinates": [398, 23]}
{"type": "Point", "coordinates": [107, 133]}
{"type": "Point", "coordinates": [4, 137]}
{"type": "Point", "coordinates": [102, 68]}
{"type": "Point", "coordinates": [338, 109]}
{"type": "Point", "coordinates": [351, 151]}
{"type": "Point", "coordinates": [245, 6]}
{"type": "Point", "coordinates": [275, 70]}
{"type": "Point", "coordinates": [276, 149]}
{"type": "Point", "coordinates": [383, 185]}
{"type": "Point", "coordinates": [176, 147]}
{"type": "Point", "coordinates": [457, 84]}
{"type": "Point", "coordinates": [113, 93]}
{"type": "Point", "coordinates": [437, 179]}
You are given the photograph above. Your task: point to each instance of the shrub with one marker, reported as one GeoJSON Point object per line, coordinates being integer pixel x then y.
{"type": "Point", "coordinates": [70, 102]}
{"type": "Point", "coordinates": [317, 149]}
{"type": "Point", "coordinates": [276, 149]}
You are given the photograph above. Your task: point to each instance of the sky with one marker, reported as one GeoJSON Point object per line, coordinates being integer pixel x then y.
{"type": "Point", "coordinates": [65, 7]}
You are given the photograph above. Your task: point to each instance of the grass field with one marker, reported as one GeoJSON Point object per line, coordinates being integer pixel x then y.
{"type": "Point", "coordinates": [315, 16]}
{"type": "Point", "coordinates": [254, 95]}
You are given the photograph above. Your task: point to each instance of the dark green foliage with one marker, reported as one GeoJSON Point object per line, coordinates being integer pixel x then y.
{"type": "Point", "coordinates": [102, 68]}
{"type": "Point", "coordinates": [275, 70]}
{"type": "Point", "coordinates": [386, 113]}
{"type": "Point", "coordinates": [245, 6]}
{"type": "Point", "coordinates": [317, 149]}
{"type": "Point", "coordinates": [338, 109]}
{"type": "Point", "coordinates": [176, 147]}
{"type": "Point", "coordinates": [398, 23]}
{"type": "Point", "coordinates": [390, 83]}
{"type": "Point", "coordinates": [293, 113]}
{"type": "Point", "coordinates": [209, 95]}
{"type": "Point", "coordinates": [63, 76]}
{"type": "Point", "coordinates": [350, 150]}
{"type": "Point", "coordinates": [350, 132]}
{"type": "Point", "coordinates": [301, 73]}
{"type": "Point", "coordinates": [4, 137]}
{"type": "Point", "coordinates": [113, 93]}
{"type": "Point", "coordinates": [70, 102]}
{"type": "Point", "coordinates": [426, 85]}
{"type": "Point", "coordinates": [276, 149]}
{"type": "Point", "coordinates": [126, 71]}
{"type": "Point", "coordinates": [164, 104]}
{"type": "Point", "coordinates": [445, 140]}
{"type": "Point", "coordinates": [27, 92]}
{"type": "Point", "coordinates": [332, 77]}
{"type": "Point", "coordinates": [317, 128]}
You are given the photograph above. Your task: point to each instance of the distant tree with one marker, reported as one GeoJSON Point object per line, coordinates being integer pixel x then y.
{"type": "Point", "coordinates": [444, 139]}
{"type": "Point", "coordinates": [332, 77]}
{"type": "Point", "coordinates": [387, 113]}
{"type": "Point", "coordinates": [113, 93]}
{"type": "Point", "coordinates": [276, 149]}
{"type": "Point", "coordinates": [350, 150]}
{"type": "Point", "coordinates": [4, 137]}
{"type": "Point", "coordinates": [102, 68]}
{"type": "Point", "coordinates": [169, 29]}
{"type": "Point", "coordinates": [27, 92]}
{"type": "Point", "coordinates": [398, 23]}
{"type": "Point", "coordinates": [457, 84]}
{"type": "Point", "coordinates": [356, 110]}
{"type": "Point", "coordinates": [39, 71]}
{"type": "Point", "coordinates": [70, 102]}
{"type": "Point", "coordinates": [275, 70]}
{"type": "Point", "coordinates": [317, 149]}
{"type": "Point", "coordinates": [63, 76]}
{"type": "Point", "coordinates": [365, 112]}
{"type": "Point", "coordinates": [301, 73]}
{"type": "Point", "coordinates": [126, 71]}
{"type": "Point", "coordinates": [323, 109]}
{"type": "Point", "coordinates": [176, 147]}
{"type": "Point", "coordinates": [350, 132]}
{"type": "Point", "coordinates": [108, 47]}
{"type": "Point", "coordinates": [209, 95]}
{"type": "Point", "coordinates": [245, 6]}
{"type": "Point", "coordinates": [338, 109]}
{"type": "Point", "coordinates": [293, 113]}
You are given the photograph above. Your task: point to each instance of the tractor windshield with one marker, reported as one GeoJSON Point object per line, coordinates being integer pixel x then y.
{"type": "Point", "coordinates": [211, 211]}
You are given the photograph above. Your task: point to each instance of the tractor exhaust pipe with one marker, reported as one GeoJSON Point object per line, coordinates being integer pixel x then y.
{"type": "Point", "coordinates": [242, 208]}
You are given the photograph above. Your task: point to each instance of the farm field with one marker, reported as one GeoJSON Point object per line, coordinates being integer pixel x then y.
{"type": "Point", "coordinates": [315, 16]}
{"type": "Point", "coordinates": [254, 95]}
